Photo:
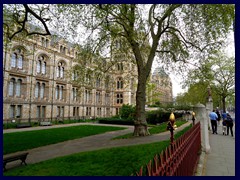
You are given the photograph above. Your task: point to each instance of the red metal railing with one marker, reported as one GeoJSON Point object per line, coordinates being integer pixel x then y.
{"type": "Point", "coordinates": [179, 159]}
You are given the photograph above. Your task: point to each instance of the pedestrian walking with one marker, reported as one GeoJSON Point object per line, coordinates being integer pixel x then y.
{"type": "Point", "coordinates": [219, 116]}
{"type": "Point", "coordinates": [229, 122]}
{"type": "Point", "coordinates": [213, 117]}
{"type": "Point", "coordinates": [224, 123]}
{"type": "Point", "coordinates": [224, 127]}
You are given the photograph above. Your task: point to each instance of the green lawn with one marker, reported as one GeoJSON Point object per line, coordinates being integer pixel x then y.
{"type": "Point", "coordinates": [155, 129]}
{"type": "Point", "coordinates": [120, 161]}
{"type": "Point", "coordinates": [19, 141]}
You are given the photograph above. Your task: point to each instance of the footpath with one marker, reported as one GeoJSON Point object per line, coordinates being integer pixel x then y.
{"type": "Point", "coordinates": [221, 159]}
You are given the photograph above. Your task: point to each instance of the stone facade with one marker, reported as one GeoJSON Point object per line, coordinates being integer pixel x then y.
{"type": "Point", "coordinates": [40, 84]}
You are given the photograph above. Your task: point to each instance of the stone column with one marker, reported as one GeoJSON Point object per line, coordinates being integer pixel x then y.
{"type": "Point", "coordinates": [209, 108]}
{"type": "Point", "coordinates": [201, 115]}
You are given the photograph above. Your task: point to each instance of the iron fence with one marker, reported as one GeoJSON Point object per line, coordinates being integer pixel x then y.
{"type": "Point", "coordinates": [179, 159]}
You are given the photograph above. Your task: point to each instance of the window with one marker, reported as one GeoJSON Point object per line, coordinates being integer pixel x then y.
{"type": "Point", "coordinates": [88, 96]}
{"type": "Point", "coordinates": [60, 111]}
{"type": "Point", "coordinates": [61, 92]}
{"type": "Point", "coordinates": [119, 83]}
{"type": "Point", "coordinates": [74, 94]}
{"type": "Point", "coordinates": [38, 111]}
{"type": "Point", "coordinates": [98, 97]}
{"type": "Point", "coordinates": [11, 87]}
{"type": "Point", "coordinates": [119, 98]}
{"type": "Point", "coordinates": [13, 60]}
{"type": "Point", "coordinates": [18, 87]}
{"type": "Point", "coordinates": [74, 111]}
{"type": "Point", "coordinates": [41, 65]}
{"type": "Point", "coordinates": [15, 111]}
{"type": "Point", "coordinates": [88, 112]}
{"type": "Point", "coordinates": [60, 70]}
{"type": "Point", "coordinates": [20, 61]}
{"type": "Point", "coordinates": [40, 90]}
{"type": "Point", "coordinates": [99, 111]}
{"type": "Point", "coordinates": [12, 111]}
{"type": "Point", "coordinates": [88, 78]}
{"type": "Point", "coordinates": [98, 82]}
{"type": "Point", "coordinates": [41, 112]}
{"type": "Point", "coordinates": [15, 87]}
{"type": "Point", "coordinates": [107, 82]}
{"type": "Point", "coordinates": [17, 59]}
{"type": "Point", "coordinates": [45, 42]}
{"type": "Point", "coordinates": [117, 111]}
{"type": "Point", "coordinates": [107, 99]}
{"type": "Point", "coordinates": [57, 92]}
{"type": "Point", "coordinates": [74, 75]}
{"type": "Point", "coordinates": [120, 66]}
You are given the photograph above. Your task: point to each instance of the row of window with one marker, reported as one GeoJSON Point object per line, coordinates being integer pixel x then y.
{"type": "Point", "coordinates": [15, 89]}
{"type": "Point", "coordinates": [16, 111]}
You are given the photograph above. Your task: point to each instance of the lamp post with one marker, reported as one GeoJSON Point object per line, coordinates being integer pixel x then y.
{"type": "Point", "coordinates": [193, 118]}
{"type": "Point", "coordinates": [171, 126]}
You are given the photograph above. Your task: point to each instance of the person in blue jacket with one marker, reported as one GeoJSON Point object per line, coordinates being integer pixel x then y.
{"type": "Point", "coordinates": [213, 117]}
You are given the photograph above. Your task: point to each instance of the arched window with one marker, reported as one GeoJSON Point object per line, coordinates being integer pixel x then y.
{"type": "Point", "coordinates": [20, 61]}
{"type": "Point", "coordinates": [41, 65]}
{"type": "Point", "coordinates": [17, 59]}
{"type": "Point", "coordinates": [60, 70]}
{"type": "Point", "coordinates": [14, 60]}
{"type": "Point", "coordinates": [38, 66]}
{"type": "Point", "coordinates": [11, 87]}
{"type": "Point", "coordinates": [119, 83]}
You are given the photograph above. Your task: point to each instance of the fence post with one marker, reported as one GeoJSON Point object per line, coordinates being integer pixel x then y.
{"type": "Point", "coordinates": [209, 108]}
{"type": "Point", "coordinates": [201, 115]}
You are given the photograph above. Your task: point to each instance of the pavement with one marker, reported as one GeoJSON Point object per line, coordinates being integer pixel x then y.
{"type": "Point", "coordinates": [221, 159]}
{"type": "Point", "coordinates": [220, 162]}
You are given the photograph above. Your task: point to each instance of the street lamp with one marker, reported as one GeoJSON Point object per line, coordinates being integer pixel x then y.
{"type": "Point", "coordinates": [171, 126]}
{"type": "Point", "coordinates": [193, 117]}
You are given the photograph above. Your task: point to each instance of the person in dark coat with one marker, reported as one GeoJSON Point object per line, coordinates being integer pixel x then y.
{"type": "Point", "coordinates": [229, 124]}
{"type": "Point", "coordinates": [219, 117]}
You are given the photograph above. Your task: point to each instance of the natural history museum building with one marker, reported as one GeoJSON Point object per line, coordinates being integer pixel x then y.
{"type": "Point", "coordinates": [41, 82]}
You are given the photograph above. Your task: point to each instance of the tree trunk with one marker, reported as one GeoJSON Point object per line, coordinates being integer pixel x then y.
{"type": "Point", "coordinates": [224, 104]}
{"type": "Point", "coordinates": [140, 123]}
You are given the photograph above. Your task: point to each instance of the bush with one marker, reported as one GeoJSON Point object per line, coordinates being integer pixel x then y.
{"type": "Point", "coordinates": [127, 111]}
{"type": "Point", "coordinates": [115, 120]}
{"type": "Point", "coordinates": [160, 116]}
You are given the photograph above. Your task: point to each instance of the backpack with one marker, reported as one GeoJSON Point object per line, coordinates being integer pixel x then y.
{"type": "Point", "coordinates": [229, 120]}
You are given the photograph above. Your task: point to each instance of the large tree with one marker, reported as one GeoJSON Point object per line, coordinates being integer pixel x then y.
{"type": "Point", "coordinates": [171, 32]}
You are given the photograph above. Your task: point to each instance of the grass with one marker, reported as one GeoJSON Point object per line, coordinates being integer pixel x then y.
{"type": "Point", "coordinates": [155, 129]}
{"type": "Point", "coordinates": [120, 161]}
{"type": "Point", "coordinates": [20, 141]}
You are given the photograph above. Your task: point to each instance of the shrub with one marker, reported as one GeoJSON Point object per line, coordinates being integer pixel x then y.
{"type": "Point", "coordinates": [160, 116]}
{"type": "Point", "coordinates": [127, 111]}
{"type": "Point", "coordinates": [115, 120]}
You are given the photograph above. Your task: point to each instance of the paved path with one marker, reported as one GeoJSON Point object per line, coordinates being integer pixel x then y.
{"type": "Point", "coordinates": [221, 159]}
{"type": "Point", "coordinates": [89, 143]}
